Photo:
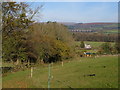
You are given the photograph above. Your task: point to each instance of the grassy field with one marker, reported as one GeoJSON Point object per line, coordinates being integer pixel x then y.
{"type": "Point", "coordinates": [74, 74]}
{"type": "Point", "coordinates": [111, 31]}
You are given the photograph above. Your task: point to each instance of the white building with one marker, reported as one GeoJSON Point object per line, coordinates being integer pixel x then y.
{"type": "Point", "coordinates": [87, 46]}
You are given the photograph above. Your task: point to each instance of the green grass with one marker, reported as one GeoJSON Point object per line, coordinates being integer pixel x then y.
{"type": "Point", "coordinates": [111, 31]}
{"type": "Point", "coordinates": [71, 75]}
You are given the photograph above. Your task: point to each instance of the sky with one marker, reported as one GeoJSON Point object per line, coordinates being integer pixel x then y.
{"type": "Point", "coordinates": [64, 0]}
{"type": "Point", "coordinates": [79, 12]}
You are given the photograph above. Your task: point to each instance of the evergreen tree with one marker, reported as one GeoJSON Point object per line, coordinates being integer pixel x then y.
{"type": "Point", "coordinates": [82, 45]}
{"type": "Point", "coordinates": [16, 45]}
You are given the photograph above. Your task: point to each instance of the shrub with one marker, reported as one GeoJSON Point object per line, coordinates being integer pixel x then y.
{"type": "Point", "coordinates": [82, 45]}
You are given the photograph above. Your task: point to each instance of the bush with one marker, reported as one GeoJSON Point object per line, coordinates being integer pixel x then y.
{"type": "Point", "coordinates": [82, 45]}
{"type": "Point", "coordinates": [105, 48]}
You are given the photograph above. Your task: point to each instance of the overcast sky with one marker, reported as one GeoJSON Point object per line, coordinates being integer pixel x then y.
{"type": "Point", "coordinates": [83, 12]}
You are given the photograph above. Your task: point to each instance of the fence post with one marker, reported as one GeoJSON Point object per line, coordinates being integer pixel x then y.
{"type": "Point", "coordinates": [49, 76]}
{"type": "Point", "coordinates": [31, 72]}
{"type": "Point", "coordinates": [62, 63]}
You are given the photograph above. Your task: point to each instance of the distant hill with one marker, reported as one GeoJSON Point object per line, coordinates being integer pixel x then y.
{"type": "Point", "coordinates": [98, 26]}
{"type": "Point", "coordinates": [68, 23]}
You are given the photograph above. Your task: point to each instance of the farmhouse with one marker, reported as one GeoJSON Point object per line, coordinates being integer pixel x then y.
{"type": "Point", "coordinates": [87, 46]}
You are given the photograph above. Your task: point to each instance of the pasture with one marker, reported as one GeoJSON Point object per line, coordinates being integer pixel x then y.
{"type": "Point", "coordinates": [76, 73]}
{"type": "Point", "coordinates": [111, 32]}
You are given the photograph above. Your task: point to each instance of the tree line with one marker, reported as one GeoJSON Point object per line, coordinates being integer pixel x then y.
{"type": "Point", "coordinates": [107, 48]}
{"type": "Point", "coordinates": [99, 37]}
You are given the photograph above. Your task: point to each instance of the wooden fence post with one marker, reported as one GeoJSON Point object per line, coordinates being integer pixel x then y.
{"type": "Point", "coordinates": [62, 63]}
{"type": "Point", "coordinates": [31, 72]}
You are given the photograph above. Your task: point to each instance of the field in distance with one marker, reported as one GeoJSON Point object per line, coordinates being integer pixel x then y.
{"type": "Point", "coordinates": [93, 44]}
